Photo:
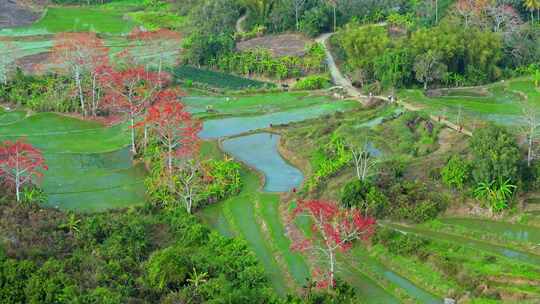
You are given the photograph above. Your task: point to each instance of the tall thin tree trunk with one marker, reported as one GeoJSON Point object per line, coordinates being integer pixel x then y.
{"type": "Point", "coordinates": [332, 269]}
{"type": "Point", "coordinates": [436, 11]}
{"type": "Point", "coordinates": [296, 17]}
{"type": "Point", "coordinates": [94, 95]}
{"type": "Point", "coordinates": [335, 22]}
{"type": "Point", "coordinates": [133, 148]}
{"type": "Point", "coordinates": [18, 187]}
{"type": "Point", "coordinates": [79, 87]}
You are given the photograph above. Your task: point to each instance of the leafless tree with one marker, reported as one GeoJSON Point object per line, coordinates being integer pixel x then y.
{"type": "Point", "coordinates": [8, 58]}
{"type": "Point", "coordinates": [531, 128]}
{"type": "Point", "coordinates": [188, 181]}
{"type": "Point", "coordinates": [363, 160]}
{"type": "Point", "coordinates": [297, 6]}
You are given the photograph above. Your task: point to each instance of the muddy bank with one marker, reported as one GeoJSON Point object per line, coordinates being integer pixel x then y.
{"type": "Point", "coordinates": [13, 13]}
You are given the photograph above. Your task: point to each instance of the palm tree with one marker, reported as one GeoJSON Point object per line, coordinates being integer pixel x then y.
{"type": "Point", "coordinates": [72, 224]}
{"type": "Point", "coordinates": [261, 8]}
{"type": "Point", "coordinates": [533, 5]}
{"type": "Point", "coordinates": [334, 4]}
{"type": "Point", "coordinates": [197, 279]}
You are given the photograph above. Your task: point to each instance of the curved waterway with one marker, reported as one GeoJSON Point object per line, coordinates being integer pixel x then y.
{"type": "Point", "coordinates": [260, 151]}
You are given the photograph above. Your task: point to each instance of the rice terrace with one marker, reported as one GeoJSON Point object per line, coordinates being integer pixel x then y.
{"type": "Point", "coordinates": [269, 151]}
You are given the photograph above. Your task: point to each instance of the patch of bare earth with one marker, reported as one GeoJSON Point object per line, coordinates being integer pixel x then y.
{"type": "Point", "coordinates": [15, 13]}
{"type": "Point", "coordinates": [278, 45]}
{"type": "Point", "coordinates": [31, 63]}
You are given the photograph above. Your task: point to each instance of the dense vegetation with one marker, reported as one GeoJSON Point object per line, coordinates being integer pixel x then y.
{"type": "Point", "coordinates": [122, 183]}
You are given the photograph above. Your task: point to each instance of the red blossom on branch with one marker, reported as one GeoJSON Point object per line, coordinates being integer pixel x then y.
{"type": "Point", "coordinates": [130, 92]}
{"type": "Point", "coordinates": [338, 228]}
{"type": "Point", "coordinates": [174, 126]}
{"type": "Point", "coordinates": [20, 164]}
{"type": "Point", "coordinates": [81, 55]}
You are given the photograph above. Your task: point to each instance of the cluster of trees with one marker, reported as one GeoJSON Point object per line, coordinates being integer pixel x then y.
{"type": "Point", "coordinates": [261, 62]}
{"type": "Point", "coordinates": [141, 255]}
{"type": "Point", "coordinates": [493, 169]}
{"type": "Point", "coordinates": [476, 43]}
{"type": "Point", "coordinates": [315, 16]}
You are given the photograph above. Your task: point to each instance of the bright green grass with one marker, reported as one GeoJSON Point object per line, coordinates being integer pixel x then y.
{"type": "Point", "coordinates": [90, 166]}
{"type": "Point", "coordinates": [237, 216]}
{"type": "Point", "coordinates": [501, 103]}
{"type": "Point", "coordinates": [60, 134]}
{"type": "Point", "coordinates": [256, 104]}
{"type": "Point", "coordinates": [76, 19]}
{"type": "Point", "coordinates": [269, 210]}
{"type": "Point", "coordinates": [10, 117]}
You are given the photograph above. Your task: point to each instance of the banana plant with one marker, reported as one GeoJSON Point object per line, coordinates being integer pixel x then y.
{"type": "Point", "coordinates": [496, 195]}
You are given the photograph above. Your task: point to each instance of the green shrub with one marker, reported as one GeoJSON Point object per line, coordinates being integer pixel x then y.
{"type": "Point", "coordinates": [223, 180]}
{"type": "Point", "coordinates": [401, 244]}
{"type": "Point", "coordinates": [414, 201]}
{"type": "Point", "coordinates": [328, 160]}
{"type": "Point", "coordinates": [168, 269]}
{"type": "Point", "coordinates": [496, 155]}
{"type": "Point", "coordinates": [456, 172]}
{"type": "Point", "coordinates": [364, 196]}
{"type": "Point", "coordinates": [313, 82]}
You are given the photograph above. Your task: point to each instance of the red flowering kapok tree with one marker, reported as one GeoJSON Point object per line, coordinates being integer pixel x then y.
{"type": "Point", "coordinates": [20, 164]}
{"type": "Point", "coordinates": [130, 91]}
{"type": "Point", "coordinates": [178, 133]}
{"type": "Point", "coordinates": [156, 47]}
{"type": "Point", "coordinates": [81, 55]}
{"type": "Point", "coordinates": [174, 126]}
{"type": "Point", "coordinates": [335, 229]}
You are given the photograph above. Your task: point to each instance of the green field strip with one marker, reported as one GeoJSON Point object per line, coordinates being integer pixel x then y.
{"type": "Point", "coordinates": [7, 118]}
{"type": "Point", "coordinates": [216, 79]}
{"type": "Point", "coordinates": [504, 252]}
{"type": "Point", "coordinates": [244, 217]}
{"type": "Point", "coordinates": [420, 273]}
{"type": "Point", "coordinates": [395, 281]}
{"type": "Point", "coordinates": [500, 102]}
{"type": "Point", "coordinates": [98, 201]}
{"type": "Point", "coordinates": [236, 216]}
{"type": "Point", "coordinates": [269, 211]}
{"type": "Point", "coordinates": [368, 289]}
{"type": "Point", "coordinates": [76, 19]}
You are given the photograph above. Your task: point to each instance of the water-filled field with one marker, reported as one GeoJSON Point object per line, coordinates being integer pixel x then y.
{"type": "Point", "coordinates": [90, 166]}
{"type": "Point", "coordinates": [75, 19]}
{"type": "Point", "coordinates": [500, 102]}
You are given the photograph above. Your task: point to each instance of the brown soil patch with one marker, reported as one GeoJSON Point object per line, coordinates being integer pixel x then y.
{"type": "Point", "coordinates": [278, 45]}
{"type": "Point", "coordinates": [16, 13]}
{"type": "Point", "coordinates": [30, 64]}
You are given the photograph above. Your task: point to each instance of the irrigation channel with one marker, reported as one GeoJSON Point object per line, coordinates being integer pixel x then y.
{"type": "Point", "coordinates": [510, 231]}
{"type": "Point", "coordinates": [257, 207]}
{"type": "Point", "coordinates": [516, 255]}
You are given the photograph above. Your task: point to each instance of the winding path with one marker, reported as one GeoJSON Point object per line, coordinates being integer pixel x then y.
{"type": "Point", "coordinates": [239, 23]}
{"type": "Point", "coordinates": [342, 81]}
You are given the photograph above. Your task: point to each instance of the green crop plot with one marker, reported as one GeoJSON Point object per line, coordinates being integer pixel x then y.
{"type": "Point", "coordinates": [501, 102]}
{"type": "Point", "coordinates": [216, 79]}
{"type": "Point", "coordinates": [90, 166]}
{"type": "Point", "coordinates": [218, 106]}
{"type": "Point", "coordinates": [75, 19]}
